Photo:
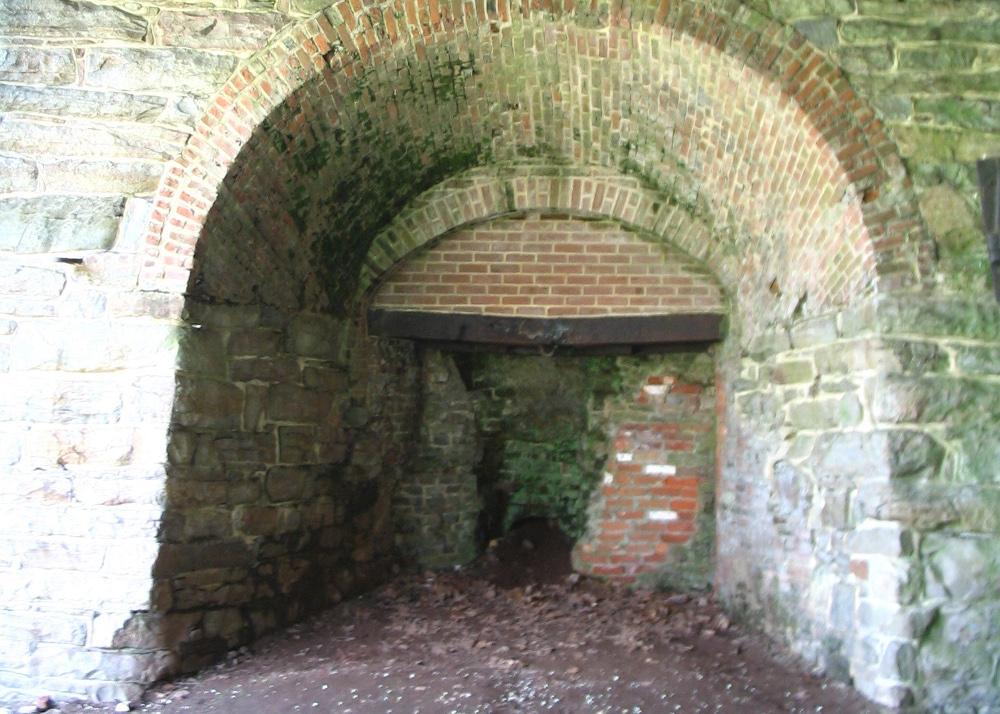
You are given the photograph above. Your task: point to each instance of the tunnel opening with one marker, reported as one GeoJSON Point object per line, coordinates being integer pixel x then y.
{"type": "Point", "coordinates": [617, 452]}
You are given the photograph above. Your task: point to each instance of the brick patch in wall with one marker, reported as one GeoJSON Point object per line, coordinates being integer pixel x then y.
{"type": "Point", "coordinates": [649, 501]}
{"type": "Point", "coordinates": [550, 266]}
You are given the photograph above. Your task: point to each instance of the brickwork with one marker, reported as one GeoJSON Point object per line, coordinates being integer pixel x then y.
{"type": "Point", "coordinates": [657, 487]}
{"type": "Point", "coordinates": [550, 267]}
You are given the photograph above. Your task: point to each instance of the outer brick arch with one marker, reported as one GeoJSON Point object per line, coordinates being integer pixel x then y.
{"type": "Point", "coordinates": [363, 34]}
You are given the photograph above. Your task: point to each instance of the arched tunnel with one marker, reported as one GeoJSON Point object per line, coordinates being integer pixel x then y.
{"type": "Point", "coordinates": [324, 182]}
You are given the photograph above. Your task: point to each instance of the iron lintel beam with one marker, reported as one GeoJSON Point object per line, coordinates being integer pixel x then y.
{"type": "Point", "coordinates": [546, 332]}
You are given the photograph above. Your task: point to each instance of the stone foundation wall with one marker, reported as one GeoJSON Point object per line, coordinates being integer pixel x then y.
{"type": "Point", "coordinates": [289, 434]}
{"type": "Point", "coordinates": [437, 504]}
{"type": "Point", "coordinates": [877, 502]}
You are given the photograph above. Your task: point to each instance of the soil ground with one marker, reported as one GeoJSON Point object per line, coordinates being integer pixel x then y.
{"type": "Point", "coordinates": [516, 631]}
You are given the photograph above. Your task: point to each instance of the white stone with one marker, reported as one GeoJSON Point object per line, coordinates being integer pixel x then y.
{"type": "Point", "coordinates": [660, 470]}
{"type": "Point", "coordinates": [623, 456]}
{"type": "Point", "coordinates": [609, 478]}
{"type": "Point", "coordinates": [105, 626]}
{"type": "Point", "coordinates": [123, 707]}
{"type": "Point", "coordinates": [27, 709]}
{"type": "Point", "coordinates": [655, 390]}
{"type": "Point", "coordinates": [663, 515]}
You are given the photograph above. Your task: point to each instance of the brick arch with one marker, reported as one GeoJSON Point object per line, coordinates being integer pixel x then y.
{"type": "Point", "coordinates": [480, 195]}
{"type": "Point", "coordinates": [820, 141]}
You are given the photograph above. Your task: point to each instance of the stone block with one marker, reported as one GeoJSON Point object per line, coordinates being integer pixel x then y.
{"type": "Point", "coordinates": [964, 112]}
{"type": "Point", "coordinates": [72, 102]}
{"type": "Point", "coordinates": [189, 71]}
{"type": "Point", "coordinates": [940, 317]}
{"type": "Point", "coordinates": [17, 175]}
{"type": "Point", "coordinates": [44, 401]}
{"type": "Point", "coordinates": [880, 538]}
{"type": "Point", "coordinates": [141, 667]}
{"type": "Point", "coordinates": [266, 520]}
{"type": "Point", "coordinates": [50, 19]}
{"type": "Point", "coordinates": [286, 483]}
{"type": "Point", "coordinates": [297, 444]}
{"type": "Point", "coordinates": [15, 655]}
{"type": "Point", "coordinates": [254, 369]}
{"type": "Point", "coordinates": [814, 332]}
{"type": "Point", "coordinates": [898, 662]}
{"type": "Point", "coordinates": [149, 400]}
{"type": "Point", "coordinates": [232, 31]}
{"type": "Point", "coordinates": [32, 626]}
{"type": "Point", "coordinates": [254, 343]}
{"type": "Point", "coordinates": [821, 31]}
{"type": "Point", "coordinates": [222, 316]}
{"type": "Point", "coordinates": [131, 555]}
{"type": "Point", "coordinates": [799, 371]}
{"type": "Point", "coordinates": [826, 412]}
{"type": "Point", "coordinates": [892, 620]}
{"type": "Point", "coordinates": [962, 568]}
{"type": "Point", "coordinates": [39, 66]}
{"type": "Point", "coordinates": [202, 352]}
{"type": "Point", "coordinates": [92, 347]}
{"type": "Point", "coordinates": [847, 457]}
{"type": "Point", "coordinates": [330, 379]}
{"type": "Point", "coordinates": [978, 359]}
{"type": "Point", "coordinates": [227, 623]}
{"type": "Point", "coordinates": [99, 142]}
{"type": "Point", "coordinates": [147, 304]}
{"type": "Point", "coordinates": [768, 343]}
{"type": "Point", "coordinates": [61, 555]}
{"type": "Point", "coordinates": [100, 176]}
{"type": "Point", "coordinates": [132, 231]}
{"type": "Point", "coordinates": [80, 303]}
{"type": "Point", "coordinates": [59, 223]}
{"type": "Point", "coordinates": [175, 559]}
{"type": "Point", "coordinates": [206, 523]}
{"type": "Point", "coordinates": [890, 579]}
{"type": "Point", "coordinates": [842, 607]}
{"type": "Point", "coordinates": [315, 335]}
{"type": "Point", "coordinates": [26, 282]}
{"type": "Point", "coordinates": [93, 445]}
{"type": "Point", "coordinates": [290, 403]}
{"type": "Point", "coordinates": [208, 404]}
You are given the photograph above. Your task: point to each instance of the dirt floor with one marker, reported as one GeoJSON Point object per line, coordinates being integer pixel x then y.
{"type": "Point", "coordinates": [514, 632]}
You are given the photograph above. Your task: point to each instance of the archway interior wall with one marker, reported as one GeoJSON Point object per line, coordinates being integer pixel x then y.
{"type": "Point", "coordinates": [288, 436]}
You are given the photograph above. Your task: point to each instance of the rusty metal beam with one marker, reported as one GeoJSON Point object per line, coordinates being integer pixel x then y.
{"type": "Point", "coordinates": [586, 332]}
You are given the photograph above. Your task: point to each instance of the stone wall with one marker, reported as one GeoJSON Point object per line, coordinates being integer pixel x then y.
{"type": "Point", "coordinates": [289, 435]}
{"type": "Point", "coordinates": [437, 505]}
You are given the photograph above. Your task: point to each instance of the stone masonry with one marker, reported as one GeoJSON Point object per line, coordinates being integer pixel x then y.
{"type": "Point", "coordinates": [199, 442]}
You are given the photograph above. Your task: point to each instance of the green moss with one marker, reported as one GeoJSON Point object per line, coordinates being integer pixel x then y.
{"type": "Point", "coordinates": [546, 437]}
